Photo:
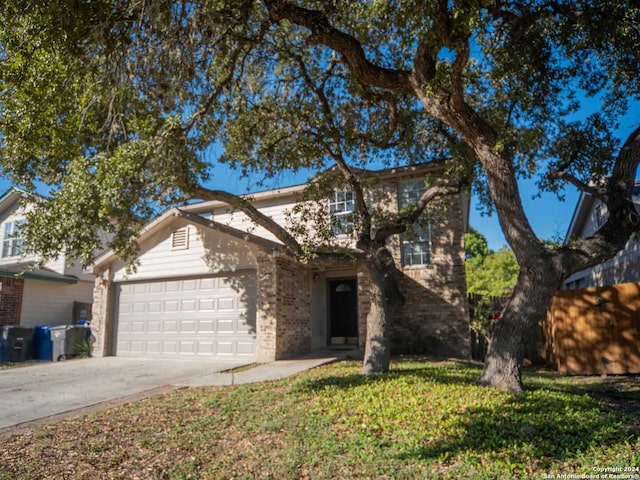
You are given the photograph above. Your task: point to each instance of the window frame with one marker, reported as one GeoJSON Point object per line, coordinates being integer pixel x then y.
{"type": "Point", "coordinates": [341, 206]}
{"type": "Point", "coordinates": [11, 241]}
{"type": "Point", "coordinates": [415, 246]}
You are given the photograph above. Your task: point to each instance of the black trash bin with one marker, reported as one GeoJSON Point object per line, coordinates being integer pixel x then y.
{"type": "Point", "coordinates": [76, 335]}
{"type": "Point", "coordinates": [16, 343]}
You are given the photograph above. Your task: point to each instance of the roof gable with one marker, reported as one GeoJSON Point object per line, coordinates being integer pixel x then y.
{"type": "Point", "coordinates": [584, 209]}
{"type": "Point", "coordinates": [170, 216]}
{"type": "Point", "coordinates": [10, 198]}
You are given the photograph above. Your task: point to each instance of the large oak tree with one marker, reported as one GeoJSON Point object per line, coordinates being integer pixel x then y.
{"type": "Point", "coordinates": [116, 105]}
{"type": "Point", "coordinates": [129, 95]}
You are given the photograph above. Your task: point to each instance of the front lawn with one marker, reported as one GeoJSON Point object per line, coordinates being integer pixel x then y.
{"type": "Point", "coordinates": [423, 420]}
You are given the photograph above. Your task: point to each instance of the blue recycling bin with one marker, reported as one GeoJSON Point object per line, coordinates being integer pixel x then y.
{"type": "Point", "coordinates": [42, 342]}
{"type": "Point", "coordinates": [58, 342]}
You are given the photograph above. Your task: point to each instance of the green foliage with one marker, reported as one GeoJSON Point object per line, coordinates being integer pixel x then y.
{"type": "Point", "coordinates": [421, 420]}
{"type": "Point", "coordinates": [128, 97]}
{"type": "Point", "coordinates": [82, 348]}
{"type": "Point", "coordinates": [476, 248]}
{"type": "Point", "coordinates": [495, 276]}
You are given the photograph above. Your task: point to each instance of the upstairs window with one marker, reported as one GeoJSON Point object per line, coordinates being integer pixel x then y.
{"type": "Point", "coordinates": [341, 209]}
{"type": "Point", "coordinates": [12, 241]}
{"type": "Point", "coordinates": [415, 244]}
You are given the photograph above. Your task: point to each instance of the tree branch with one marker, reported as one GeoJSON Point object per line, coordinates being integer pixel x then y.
{"type": "Point", "coordinates": [322, 32]}
{"type": "Point", "coordinates": [392, 127]}
{"type": "Point", "coordinates": [624, 170]}
{"type": "Point", "coordinates": [235, 54]}
{"type": "Point", "coordinates": [424, 63]}
{"type": "Point", "coordinates": [336, 154]}
{"type": "Point", "coordinates": [623, 219]}
{"type": "Point", "coordinates": [259, 218]}
{"type": "Point", "coordinates": [457, 84]}
{"type": "Point", "coordinates": [440, 188]}
{"type": "Point", "coordinates": [583, 187]}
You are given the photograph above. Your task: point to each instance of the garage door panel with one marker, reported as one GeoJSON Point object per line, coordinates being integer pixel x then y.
{"type": "Point", "coordinates": [154, 327]}
{"type": "Point", "coordinates": [245, 348]}
{"type": "Point", "coordinates": [206, 326]}
{"type": "Point", "coordinates": [170, 326]}
{"type": "Point", "coordinates": [188, 326]}
{"type": "Point", "coordinates": [188, 305]}
{"type": "Point", "coordinates": [206, 316]}
{"type": "Point", "coordinates": [153, 347]}
{"type": "Point", "coordinates": [171, 306]}
{"type": "Point", "coordinates": [154, 306]}
{"type": "Point", "coordinates": [206, 305]}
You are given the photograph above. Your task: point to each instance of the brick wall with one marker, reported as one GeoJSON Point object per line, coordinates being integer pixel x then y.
{"type": "Point", "coordinates": [294, 308]}
{"type": "Point", "coordinates": [435, 317]}
{"type": "Point", "coordinates": [10, 300]}
{"type": "Point", "coordinates": [283, 308]}
{"type": "Point", "coordinates": [266, 306]}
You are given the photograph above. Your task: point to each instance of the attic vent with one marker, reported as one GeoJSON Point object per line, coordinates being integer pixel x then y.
{"type": "Point", "coordinates": [180, 239]}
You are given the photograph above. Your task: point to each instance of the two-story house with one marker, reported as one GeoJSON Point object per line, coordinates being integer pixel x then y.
{"type": "Point", "coordinates": [209, 282]}
{"type": "Point", "coordinates": [590, 214]}
{"type": "Point", "coordinates": [31, 295]}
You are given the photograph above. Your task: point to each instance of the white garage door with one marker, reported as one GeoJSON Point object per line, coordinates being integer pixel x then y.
{"type": "Point", "coordinates": [213, 316]}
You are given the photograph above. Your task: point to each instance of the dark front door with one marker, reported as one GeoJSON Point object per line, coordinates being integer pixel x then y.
{"type": "Point", "coordinates": [343, 310]}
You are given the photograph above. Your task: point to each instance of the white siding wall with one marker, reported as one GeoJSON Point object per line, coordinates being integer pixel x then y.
{"type": "Point", "coordinates": [622, 268]}
{"type": "Point", "coordinates": [12, 214]}
{"type": "Point", "coordinates": [382, 196]}
{"type": "Point", "coordinates": [57, 265]}
{"type": "Point", "coordinates": [208, 252]}
{"type": "Point", "coordinates": [51, 303]}
{"type": "Point", "coordinates": [276, 209]}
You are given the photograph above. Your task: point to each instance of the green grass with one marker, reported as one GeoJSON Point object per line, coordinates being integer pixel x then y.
{"type": "Point", "coordinates": [422, 420]}
{"type": "Point", "coordinates": [8, 365]}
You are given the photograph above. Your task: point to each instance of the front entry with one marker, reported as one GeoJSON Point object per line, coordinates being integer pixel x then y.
{"type": "Point", "coordinates": [343, 312]}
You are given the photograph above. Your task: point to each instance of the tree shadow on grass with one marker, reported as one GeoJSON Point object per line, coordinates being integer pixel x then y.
{"type": "Point", "coordinates": [542, 425]}
{"type": "Point", "coordinates": [445, 372]}
{"type": "Point", "coordinates": [546, 428]}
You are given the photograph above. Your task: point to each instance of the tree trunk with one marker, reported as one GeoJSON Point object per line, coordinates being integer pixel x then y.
{"type": "Point", "coordinates": [386, 299]}
{"type": "Point", "coordinates": [525, 308]}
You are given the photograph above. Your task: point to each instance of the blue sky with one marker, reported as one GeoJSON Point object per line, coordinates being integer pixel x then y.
{"type": "Point", "coordinates": [549, 217]}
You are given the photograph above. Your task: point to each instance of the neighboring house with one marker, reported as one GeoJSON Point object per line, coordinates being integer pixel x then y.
{"type": "Point", "coordinates": [32, 296]}
{"type": "Point", "coordinates": [590, 214]}
{"type": "Point", "coordinates": [209, 283]}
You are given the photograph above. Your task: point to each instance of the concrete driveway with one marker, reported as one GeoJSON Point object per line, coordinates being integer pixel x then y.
{"type": "Point", "coordinates": [39, 391]}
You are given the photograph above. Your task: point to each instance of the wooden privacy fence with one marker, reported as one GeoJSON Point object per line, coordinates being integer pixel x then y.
{"type": "Point", "coordinates": [595, 330]}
